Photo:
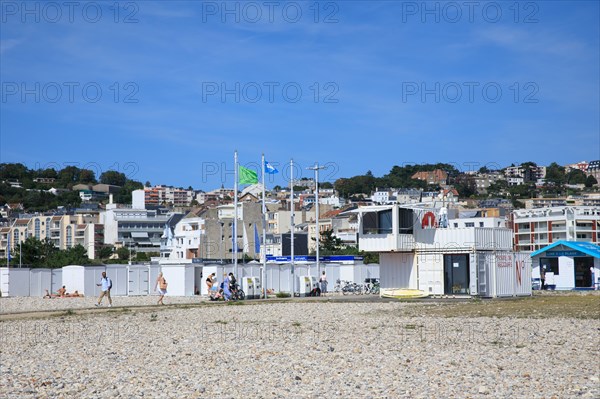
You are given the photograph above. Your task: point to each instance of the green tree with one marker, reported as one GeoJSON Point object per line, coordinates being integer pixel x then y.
{"type": "Point", "coordinates": [105, 252]}
{"type": "Point", "coordinates": [123, 253]}
{"type": "Point", "coordinates": [87, 176]}
{"type": "Point", "coordinates": [329, 242]}
{"type": "Point", "coordinates": [114, 178]}
{"type": "Point", "coordinates": [124, 196]}
{"type": "Point", "coordinates": [13, 171]}
{"type": "Point", "coordinates": [555, 174]}
{"type": "Point", "coordinates": [575, 176]}
{"type": "Point", "coordinates": [590, 181]}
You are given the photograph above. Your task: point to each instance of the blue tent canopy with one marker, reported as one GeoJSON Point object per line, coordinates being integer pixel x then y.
{"type": "Point", "coordinates": [585, 247]}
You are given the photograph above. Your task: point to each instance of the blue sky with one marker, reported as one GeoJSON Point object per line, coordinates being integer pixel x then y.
{"type": "Point", "coordinates": [382, 83]}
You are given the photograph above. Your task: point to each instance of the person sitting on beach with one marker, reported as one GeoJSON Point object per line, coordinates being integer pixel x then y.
{"type": "Point", "coordinates": [76, 294]}
{"type": "Point", "coordinates": [62, 292]}
{"type": "Point", "coordinates": [47, 295]}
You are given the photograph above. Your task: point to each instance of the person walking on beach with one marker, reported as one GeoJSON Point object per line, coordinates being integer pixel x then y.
{"type": "Point", "coordinates": [106, 284]}
{"type": "Point", "coordinates": [161, 288]}
{"type": "Point", "coordinates": [323, 283]}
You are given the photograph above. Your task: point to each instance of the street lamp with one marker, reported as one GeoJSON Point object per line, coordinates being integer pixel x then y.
{"type": "Point", "coordinates": [221, 242]}
{"type": "Point", "coordinates": [316, 168]}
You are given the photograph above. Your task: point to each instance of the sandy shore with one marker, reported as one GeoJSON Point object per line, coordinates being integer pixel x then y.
{"type": "Point", "coordinates": [295, 350]}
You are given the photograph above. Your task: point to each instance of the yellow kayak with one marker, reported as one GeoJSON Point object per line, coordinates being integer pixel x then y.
{"type": "Point", "coordinates": [402, 293]}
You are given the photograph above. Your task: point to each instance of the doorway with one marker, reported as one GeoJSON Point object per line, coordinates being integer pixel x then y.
{"type": "Point", "coordinates": [456, 274]}
{"type": "Point", "coordinates": [583, 272]}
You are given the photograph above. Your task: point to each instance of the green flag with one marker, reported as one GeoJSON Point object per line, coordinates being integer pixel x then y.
{"type": "Point", "coordinates": [248, 176]}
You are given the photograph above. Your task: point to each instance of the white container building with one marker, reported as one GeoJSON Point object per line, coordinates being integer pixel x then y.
{"type": "Point", "coordinates": [419, 249]}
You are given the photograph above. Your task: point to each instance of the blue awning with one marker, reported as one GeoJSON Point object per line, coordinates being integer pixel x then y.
{"type": "Point", "coordinates": [585, 247]}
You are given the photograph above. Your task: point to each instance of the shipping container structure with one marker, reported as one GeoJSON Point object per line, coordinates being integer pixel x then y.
{"type": "Point", "coordinates": [572, 265]}
{"type": "Point", "coordinates": [420, 249]}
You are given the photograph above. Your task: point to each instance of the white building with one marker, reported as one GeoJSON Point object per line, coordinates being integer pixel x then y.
{"type": "Point", "coordinates": [186, 241]}
{"type": "Point", "coordinates": [134, 227]}
{"type": "Point", "coordinates": [416, 253]}
{"type": "Point", "coordinates": [537, 228]}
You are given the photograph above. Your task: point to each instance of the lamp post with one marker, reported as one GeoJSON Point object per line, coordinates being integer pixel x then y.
{"type": "Point", "coordinates": [221, 242]}
{"type": "Point", "coordinates": [316, 168]}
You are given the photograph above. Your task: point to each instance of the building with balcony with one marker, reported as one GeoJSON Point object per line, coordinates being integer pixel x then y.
{"type": "Point", "coordinates": [134, 226]}
{"type": "Point", "coordinates": [537, 228]}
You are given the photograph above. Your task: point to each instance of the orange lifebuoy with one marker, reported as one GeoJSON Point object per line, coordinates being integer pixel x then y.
{"type": "Point", "coordinates": [428, 220]}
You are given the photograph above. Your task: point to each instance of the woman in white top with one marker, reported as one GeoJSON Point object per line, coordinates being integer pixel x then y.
{"type": "Point", "coordinates": [323, 283]}
{"type": "Point", "coordinates": [161, 288]}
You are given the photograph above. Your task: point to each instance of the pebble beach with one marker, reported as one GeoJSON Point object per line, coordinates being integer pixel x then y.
{"type": "Point", "coordinates": [289, 349]}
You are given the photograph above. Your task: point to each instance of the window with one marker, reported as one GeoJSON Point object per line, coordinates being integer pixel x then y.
{"type": "Point", "coordinates": [470, 224]}
{"type": "Point", "coordinates": [480, 224]}
{"type": "Point", "coordinates": [37, 228]}
{"type": "Point", "coordinates": [551, 265]}
{"type": "Point", "coordinates": [455, 225]}
{"type": "Point", "coordinates": [405, 221]}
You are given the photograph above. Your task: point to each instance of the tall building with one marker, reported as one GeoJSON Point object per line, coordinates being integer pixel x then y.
{"type": "Point", "coordinates": [536, 228]}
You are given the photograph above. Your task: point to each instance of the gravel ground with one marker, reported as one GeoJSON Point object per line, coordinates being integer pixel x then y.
{"type": "Point", "coordinates": [33, 304]}
{"type": "Point", "coordinates": [295, 350]}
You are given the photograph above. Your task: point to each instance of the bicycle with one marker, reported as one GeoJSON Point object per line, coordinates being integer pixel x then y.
{"type": "Point", "coordinates": [237, 293]}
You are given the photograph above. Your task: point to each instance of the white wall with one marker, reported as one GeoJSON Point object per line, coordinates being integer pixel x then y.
{"type": "Point", "coordinates": [397, 270]}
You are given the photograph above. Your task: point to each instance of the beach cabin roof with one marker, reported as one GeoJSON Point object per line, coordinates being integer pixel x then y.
{"type": "Point", "coordinates": [585, 247]}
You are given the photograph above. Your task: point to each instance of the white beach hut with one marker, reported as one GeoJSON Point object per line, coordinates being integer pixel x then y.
{"type": "Point", "coordinates": [119, 276]}
{"type": "Point", "coordinates": [40, 280]}
{"type": "Point", "coordinates": [82, 279]}
{"type": "Point", "coordinates": [138, 280]}
{"type": "Point", "coordinates": [14, 282]}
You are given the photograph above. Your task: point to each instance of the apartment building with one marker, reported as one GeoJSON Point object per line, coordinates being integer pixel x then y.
{"type": "Point", "coordinates": [218, 225]}
{"type": "Point", "coordinates": [484, 180]}
{"type": "Point", "coordinates": [521, 174]}
{"type": "Point", "coordinates": [536, 228]}
{"type": "Point", "coordinates": [133, 226]}
{"type": "Point", "coordinates": [434, 177]}
{"type": "Point", "coordinates": [160, 195]}
{"type": "Point", "coordinates": [64, 231]}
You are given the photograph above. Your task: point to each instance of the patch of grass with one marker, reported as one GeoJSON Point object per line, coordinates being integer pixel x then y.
{"type": "Point", "coordinates": [153, 317]}
{"type": "Point", "coordinates": [283, 295]}
{"type": "Point", "coordinates": [410, 326]}
{"type": "Point", "coordinates": [296, 324]}
{"type": "Point", "coordinates": [235, 303]}
{"type": "Point", "coordinates": [119, 310]}
{"type": "Point", "coordinates": [537, 307]}
{"type": "Point", "coordinates": [221, 322]}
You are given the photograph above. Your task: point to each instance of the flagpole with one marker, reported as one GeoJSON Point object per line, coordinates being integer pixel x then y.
{"type": "Point", "coordinates": [292, 209]}
{"type": "Point", "coordinates": [264, 230]}
{"type": "Point", "coordinates": [235, 202]}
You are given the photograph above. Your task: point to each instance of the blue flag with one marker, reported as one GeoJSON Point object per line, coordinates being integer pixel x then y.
{"type": "Point", "coordinates": [8, 248]}
{"type": "Point", "coordinates": [256, 240]}
{"type": "Point", "coordinates": [270, 169]}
